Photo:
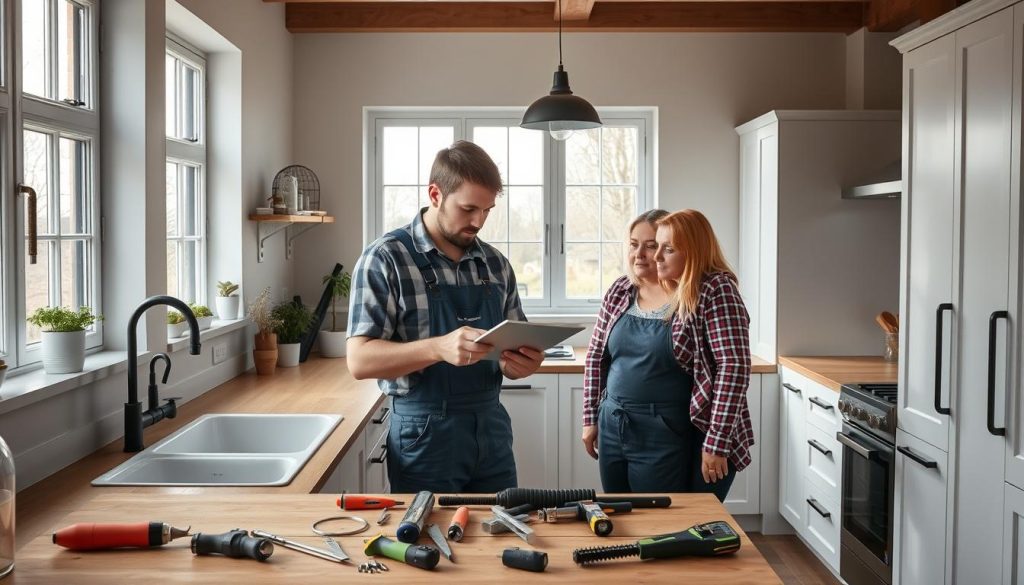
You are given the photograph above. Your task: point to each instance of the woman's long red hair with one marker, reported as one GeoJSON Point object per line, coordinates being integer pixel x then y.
{"type": "Point", "coordinates": [694, 238]}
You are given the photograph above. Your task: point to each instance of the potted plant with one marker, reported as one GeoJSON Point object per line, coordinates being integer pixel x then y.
{"type": "Point", "coordinates": [264, 352]}
{"type": "Point", "coordinates": [176, 324]}
{"type": "Point", "coordinates": [203, 315]}
{"type": "Point", "coordinates": [63, 337]}
{"type": "Point", "coordinates": [293, 319]}
{"type": "Point", "coordinates": [227, 300]}
{"type": "Point", "coordinates": [332, 342]}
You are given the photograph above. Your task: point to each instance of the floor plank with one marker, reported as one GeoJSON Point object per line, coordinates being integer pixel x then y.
{"type": "Point", "coordinates": [791, 560]}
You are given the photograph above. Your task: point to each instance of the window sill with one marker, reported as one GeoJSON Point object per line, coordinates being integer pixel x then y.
{"type": "Point", "coordinates": [217, 329]}
{"type": "Point", "coordinates": [24, 388]}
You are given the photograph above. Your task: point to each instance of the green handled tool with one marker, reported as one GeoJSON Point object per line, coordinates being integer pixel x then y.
{"type": "Point", "coordinates": [416, 555]}
{"type": "Point", "coordinates": [701, 540]}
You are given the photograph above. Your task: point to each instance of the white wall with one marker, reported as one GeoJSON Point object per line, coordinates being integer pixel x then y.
{"type": "Point", "coordinates": [703, 84]}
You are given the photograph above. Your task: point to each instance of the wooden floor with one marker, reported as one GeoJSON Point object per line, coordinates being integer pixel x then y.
{"type": "Point", "coordinates": [794, 563]}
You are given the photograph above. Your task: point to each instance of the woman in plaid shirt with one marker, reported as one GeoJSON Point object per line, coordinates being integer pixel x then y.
{"type": "Point", "coordinates": [664, 403]}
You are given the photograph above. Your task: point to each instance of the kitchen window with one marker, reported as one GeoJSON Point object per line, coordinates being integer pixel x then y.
{"type": "Point", "coordinates": [49, 135]}
{"type": "Point", "coordinates": [186, 171]}
{"type": "Point", "coordinates": [562, 217]}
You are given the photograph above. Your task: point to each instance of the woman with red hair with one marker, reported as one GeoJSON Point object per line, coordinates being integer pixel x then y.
{"type": "Point", "coordinates": [665, 388]}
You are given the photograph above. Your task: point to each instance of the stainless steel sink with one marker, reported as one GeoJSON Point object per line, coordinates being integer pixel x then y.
{"type": "Point", "coordinates": [228, 450]}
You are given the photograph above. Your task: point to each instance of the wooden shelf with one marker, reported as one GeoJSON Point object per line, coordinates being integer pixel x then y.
{"type": "Point", "coordinates": [293, 218]}
{"type": "Point", "coordinates": [268, 225]}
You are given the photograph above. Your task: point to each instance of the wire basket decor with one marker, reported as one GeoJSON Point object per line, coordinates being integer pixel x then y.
{"type": "Point", "coordinates": [309, 186]}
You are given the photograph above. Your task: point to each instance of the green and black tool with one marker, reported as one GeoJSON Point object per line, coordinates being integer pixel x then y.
{"type": "Point", "coordinates": [701, 540]}
{"type": "Point", "coordinates": [416, 555]}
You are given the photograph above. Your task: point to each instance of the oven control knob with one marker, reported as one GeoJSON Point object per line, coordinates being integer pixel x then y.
{"type": "Point", "coordinates": [874, 421]}
{"type": "Point", "coordinates": [858, 412]}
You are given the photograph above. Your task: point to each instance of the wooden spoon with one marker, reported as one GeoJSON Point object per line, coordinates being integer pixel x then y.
{"type": "Point", "coordinates": [891, 321]}
{"type": "Point", "coordinates": [880, 319]}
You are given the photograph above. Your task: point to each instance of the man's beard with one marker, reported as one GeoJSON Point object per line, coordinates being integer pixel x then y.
{"type": "Point", "coordinates": [459, 239]}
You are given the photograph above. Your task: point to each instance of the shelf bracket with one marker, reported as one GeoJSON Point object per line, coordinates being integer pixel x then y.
{"type": "Point", "coordinates": [264, 231]}
{"type": "Point", "coordinates": [294, 231]}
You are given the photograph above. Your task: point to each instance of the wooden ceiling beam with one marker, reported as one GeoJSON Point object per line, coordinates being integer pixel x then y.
{"type": "Point", "coordinates": [893, 15]}
{"type": "Point", "coordinates": [575, 9]}
{"type": "Point", "coordinates": [315, 17]}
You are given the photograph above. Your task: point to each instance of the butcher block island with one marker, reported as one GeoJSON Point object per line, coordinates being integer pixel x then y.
{"type": "Point", "coordinates": [477, 556]}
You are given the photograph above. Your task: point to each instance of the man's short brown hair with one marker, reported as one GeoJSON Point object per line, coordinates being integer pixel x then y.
{"type": "Point", "coordinates": [462, 162]}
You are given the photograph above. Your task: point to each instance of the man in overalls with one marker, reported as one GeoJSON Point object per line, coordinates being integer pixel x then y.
{"type": "Point", "coordinates": [420, 296]}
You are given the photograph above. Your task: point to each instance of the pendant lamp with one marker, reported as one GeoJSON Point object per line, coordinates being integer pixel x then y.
{"type": "Point", "coordinates": [560, 112]}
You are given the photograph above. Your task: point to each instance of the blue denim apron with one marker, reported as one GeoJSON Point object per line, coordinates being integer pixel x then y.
{"type": "Point", "coordinates": [450, 433]}
{"type": "Point", "coordinates": [645, 434]}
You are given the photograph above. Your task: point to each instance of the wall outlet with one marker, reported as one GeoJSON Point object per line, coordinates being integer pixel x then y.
{"type": "Point", "coordinates": [220, 353]}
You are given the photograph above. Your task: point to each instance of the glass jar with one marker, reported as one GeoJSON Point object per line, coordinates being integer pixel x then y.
{"type": "Point", "coordinates": [6, 510]}
{"type": "Point", "coordinates": [892, 347]}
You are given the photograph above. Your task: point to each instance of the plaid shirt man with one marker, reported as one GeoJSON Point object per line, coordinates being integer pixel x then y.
{"type": "Point", "coordinates": [389, 296]}
{"type": "Point", "coordinates": [712, 345]}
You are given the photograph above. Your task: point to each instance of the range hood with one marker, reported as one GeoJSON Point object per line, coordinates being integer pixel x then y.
{"type": "Point", "coordinates": [886, 184]}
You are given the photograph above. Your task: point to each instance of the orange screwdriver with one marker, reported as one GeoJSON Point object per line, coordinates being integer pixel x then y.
{"type": "Point", "coordinates": [364, 502]}
{"type": "Point", "coordinates": [96, 536]}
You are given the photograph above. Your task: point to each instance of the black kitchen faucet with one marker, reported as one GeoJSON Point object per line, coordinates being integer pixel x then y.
{"type": "Point", "coordinates": [134, 418]}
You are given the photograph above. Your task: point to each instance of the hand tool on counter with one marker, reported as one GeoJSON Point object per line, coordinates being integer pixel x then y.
{"type": "Point", "coordinates": [442, 544]}
{"type": "Point", "coordinates": [573, 511]}
{"type": "Point", "coordinates": [412, 523]}
{"type": "Point", "coordinates": [527, 560]}
{"type": "Point", "coordinates": [457, 529]}
{"type": "Point", "coordinates": [700, 540]}
{"type": "Point", "coordinates": [236, 544]}
{"type": "Point", "coordinates": [416, 555]}
{"type": "Point", "coordinates": [361, 526]}
{"type": "Point", "coordinates": [544, 498]}
{"type": "Point", "coordinates": [300, 547]}
{"type": "Point", "coordinates": [335, 548]}
{"type": "Point", "coordinates": [384, 517]}
{"type": "Point", "coordinates": [494, 526]}
{"type": "Point", "coordinates": [364, 502]}
{"type": "Point", "coordinates": [97, 536]}
{"type": "Point", "coordinates": [519, 528]}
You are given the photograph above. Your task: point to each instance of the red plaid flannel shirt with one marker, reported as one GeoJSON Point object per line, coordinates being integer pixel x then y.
{"type": "Point", "coordinates": [713, 344]}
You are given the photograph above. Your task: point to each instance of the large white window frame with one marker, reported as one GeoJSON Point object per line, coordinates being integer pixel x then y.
{"type": "Point", "coordinates": [463, 121]}
{"type": "Point", "coordinates": [59, 118]}
{"type": "Point", "coordinates": [184, 150]}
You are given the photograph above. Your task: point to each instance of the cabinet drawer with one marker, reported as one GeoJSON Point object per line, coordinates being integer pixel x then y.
{"type": "Point", "coordinates": [824, 461]}
{"type": "Point", "coordinates": [379, 422]}
{"type": "Point", "coordinates": [820, 402]}
{"type": "Point", "coordinates": [821, 524]}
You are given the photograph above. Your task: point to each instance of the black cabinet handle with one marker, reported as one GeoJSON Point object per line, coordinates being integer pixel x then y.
{"type": "Point", "coordinates": [516, 387]}
{"type": "Point", "coordinates": [384, 414]}
{"type": "Point", "coordinates": [817, 508]}
{"type": "Point", "coordinates": [824, 450]}
{"type": "Point", "coordinates": [992, 321]}
{"type": "Point", "coordinates": [916, 457]}
{"type": "Point", "coordinates": [383, 455]}
{"type": "Point", "coordinates": [820, 403]}
{"type": "Point", "coordinates": [856, 447]}
{"type": "Point", "coordinates": [791, 388]}
{"type": "Point", "coordinates": [938, 357]}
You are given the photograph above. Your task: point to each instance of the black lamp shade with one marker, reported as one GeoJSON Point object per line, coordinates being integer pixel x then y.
{"type": "Point", "coordinates": [560, 110]}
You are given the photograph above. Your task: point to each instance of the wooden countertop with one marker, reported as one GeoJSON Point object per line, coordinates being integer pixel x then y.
{"type": "Point", "coordinates": [317, 386]}
{"type": "Point", "coordinates": [759, 366]}
{"type": "Point", "coordinates": [290, 516]}
{"type": "Point", "coordinates": [833, 372]}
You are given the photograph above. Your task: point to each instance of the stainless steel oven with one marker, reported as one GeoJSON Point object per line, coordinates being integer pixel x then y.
{"type": "Point", "coordinates": [869, 458]}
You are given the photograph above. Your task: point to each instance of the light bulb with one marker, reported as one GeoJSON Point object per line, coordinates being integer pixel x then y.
{"type": "Point", "coordinates": [561, 135]}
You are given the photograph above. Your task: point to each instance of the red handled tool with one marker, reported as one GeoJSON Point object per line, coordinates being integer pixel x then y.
{"type": "Point", "coordinates": [458, 526]}
{"type": "Point", "coordinates": [95, 536]}
{"type": "Point", "coordinates": [362, 502]}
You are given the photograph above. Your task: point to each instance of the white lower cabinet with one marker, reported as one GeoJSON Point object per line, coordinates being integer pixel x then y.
{"type": "Point", "coordinates": [576, 468]}
{"type": "Point", "coordinates": [920, 513]}
{"type": "Point", "coordinates": [1013, 535]}
{"type": "Point", "coordinates": [821, 524]}
{"type": "Point", "coordinates": [792, 450]}
{"type": "Point", "coordinates": [375, 453]}
{"type": "Point", "coordinates": [350, 474]}
{"type": "Point", "coordinates": [532, 403]}
{"type": "Point", "coordinates": [745, 494]}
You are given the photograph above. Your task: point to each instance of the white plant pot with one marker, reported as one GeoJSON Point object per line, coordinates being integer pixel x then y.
{"type": "Point", "coordinates": [3, 374]}
{"type": "Point", "coordinates": [227, 308]}
{"type": "Point", "coordinates": [332, 343]}
{"type": "Point", "coordinates": [204, 322]}
{"type": "Point", "coordinates": [63, 352]}
{"type": "Point", "coordinates": [177, 330]}
{"type": "Point", "coordinates": [288, 354]}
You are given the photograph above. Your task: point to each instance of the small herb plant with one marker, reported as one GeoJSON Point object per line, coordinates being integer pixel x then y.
{"type": "Point", "coordinates": [61, 320]}
{"type": "Point", "coordinates": [261, 314]}
{"type": "Point", "coordinates": [174, 317]}
{"type": "Point", "coordinates": [293, 321]}
{"type": "Point", "coordinates": [339, 286]}
{"type": "Point", "coordinates": [201, 311]}
{"type": "Point", "coordinates": [226, 288]}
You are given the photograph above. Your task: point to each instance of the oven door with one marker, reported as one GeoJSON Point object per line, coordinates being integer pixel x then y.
{"type": "Point", "coordinates": [866, 526]}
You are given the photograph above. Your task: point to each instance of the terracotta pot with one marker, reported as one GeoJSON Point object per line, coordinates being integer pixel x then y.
{"type": "Point", "coordinates": [266, 361]}
{"type": "Point", "coordinates": [266, 341]}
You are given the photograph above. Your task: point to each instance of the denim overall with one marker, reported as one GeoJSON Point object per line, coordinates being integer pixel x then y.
{"type": "Point", "coordinates": [450, 433]}
{"type": "Point", "coordinates": [646, 441]}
